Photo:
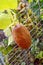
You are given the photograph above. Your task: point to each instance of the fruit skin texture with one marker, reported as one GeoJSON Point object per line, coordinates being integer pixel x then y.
{"type": "Point", "coordinates": [21, 36]}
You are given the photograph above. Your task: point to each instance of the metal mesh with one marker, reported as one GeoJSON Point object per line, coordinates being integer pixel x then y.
{"type": "Point", "coordinates": [15, 56]}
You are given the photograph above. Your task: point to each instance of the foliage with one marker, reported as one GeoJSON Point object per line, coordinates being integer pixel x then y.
{"type": "Point", "coordinates": [8, 4]}
{"type": "Point", "coordinates": [4, 20]}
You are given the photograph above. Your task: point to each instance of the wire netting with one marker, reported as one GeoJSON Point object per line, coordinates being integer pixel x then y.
{"type": "Point", "coordinates": [14, 55]}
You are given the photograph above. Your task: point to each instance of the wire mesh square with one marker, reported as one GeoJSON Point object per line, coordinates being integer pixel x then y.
{"type": "Point", "coordinates": [14, 55]}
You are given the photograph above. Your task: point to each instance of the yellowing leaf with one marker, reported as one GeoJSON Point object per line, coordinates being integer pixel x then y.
{"type": "Point", "coordinates": [4, 21]}
{"type": "Point", "coordinates": [8, 4]}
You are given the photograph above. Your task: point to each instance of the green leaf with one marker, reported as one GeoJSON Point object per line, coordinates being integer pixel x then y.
{"type": "Point", "coordinates": [30, 1]}
{"type": "Point", "coordinates": [23, 63]}
{"type": "Point", "coordinates": [40, 55]}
